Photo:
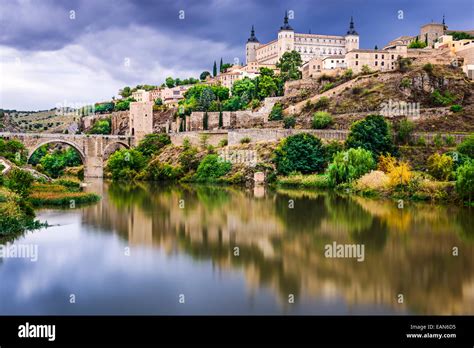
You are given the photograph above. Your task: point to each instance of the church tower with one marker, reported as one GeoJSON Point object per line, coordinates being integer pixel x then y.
{"type": "Point", "coordinates": [251, 47]}
{"type": "Point", "coordinates": [352, 38]}
{"type": "Point", "coordinates": [286, 37]}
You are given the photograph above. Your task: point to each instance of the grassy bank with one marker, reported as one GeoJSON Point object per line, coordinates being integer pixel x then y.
{"type": "Point", "coordinates": [60, 193]}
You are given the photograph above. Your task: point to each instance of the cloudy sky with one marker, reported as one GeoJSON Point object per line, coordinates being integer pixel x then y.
{"type": "Point", "coordinates": [80, 51]}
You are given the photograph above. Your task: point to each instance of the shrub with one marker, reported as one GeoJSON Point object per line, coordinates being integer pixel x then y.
{"type": "Point", "coordinates": [400, 175]}
{"type": "Point", "coordinates": [152, 144]}
{"type": "Point", "coordinates": [455, 108]}
{"type": "Point", "coordinates": [124, 164]}
{"type": "Point", "coordinates": [301, 152]}
{"type": "Point", "coordinates": [465, 181]}
{"type": "Point", "coordinates": [212, 168]}
{"type": "Point", "coordinates": [373, 134]}
{"type": "Point", "coordinates": [449, 140]}
{"type": "Point", "coordinates": [277, 112]}
{"type": "Point", "coordinates": [440, 166]}
{"type": "Point", "coordinates": [223, 142]}
{"type": "Point", "coordinates": [357, 90]}
{"type": "Point", "coordinates": [327, 86]}
{"type": "Point", "coordinates": [438, 140]}
{"type": "Point", "coordinates": [350, 165]}
{"type": "Point", "coordinates": [365, 69]}
{"type": "Point", "coordinates": [157, 171]}
{"type": "Point", "coordinates": [439, 99]}
{"type": "Point", "coordinates": [421, 141]}
{"type": "Point", "coordinates": [299, 180]}
{"type": "Point", "coordinates": [406, 82]}
{"type": "Point", "coordinates": [289, 122]}
{"type": "Point", "coordinates": [466, 147]}
{"type": "Point", "coordinates": [386, 163]}
{"type": "Point", "coordinates": [188, 159]}
{"type": "Point", "coordinates": [375, 180]}
{"type": "Point", "coordinates": [101, 127]}
{"type": "Point", "coordinates": [245, 140]}
{"type": "Point", "coordinates": [428, 67]}
{"type": "Point", "coordinates": [321, 120]}
{"type": "Point", "coordinates": [404, 130]}
{"type": "Point", "coordinates": [322, 103]}
{"type": "Point", "coordinates": [20, 181]}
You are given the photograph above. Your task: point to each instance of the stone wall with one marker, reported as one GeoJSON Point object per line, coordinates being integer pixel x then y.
{"type": "Point", "coordinates": [257, 135]}
{"type": "Point", "coordinates": [214, 137]}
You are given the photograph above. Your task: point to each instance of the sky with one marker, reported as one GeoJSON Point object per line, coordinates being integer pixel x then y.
{"type": "Point", "coordinates": [74, 52]}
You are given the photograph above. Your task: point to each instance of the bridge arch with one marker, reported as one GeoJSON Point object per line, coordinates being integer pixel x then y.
{"type": "Point", "coordinates": [106, 152]}
{"type": "Point", "coordinates": [62, 141]}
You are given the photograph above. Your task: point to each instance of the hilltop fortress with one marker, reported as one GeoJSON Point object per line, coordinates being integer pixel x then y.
{"type": "Point", "coordinates": [307, 45]}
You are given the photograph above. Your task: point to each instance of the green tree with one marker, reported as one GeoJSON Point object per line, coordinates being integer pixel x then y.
{"type": "Point", "coordinates": [465, 181]}
{"type": "Point", "coordinates": [205, 121]}
{"type": "Point", "coordinates": [214, 69]}
{"type": "Point", "coordinates": [373, 134]}
{"type": "Point", "coordinates": [245, 85]}
{"type": "Point", "coordinates": [301, 152]}
{"type": "Point", "coordinates": [20, 181]}
{"type": "Point", "coordinates": [321, 120]}
{"type": "Point", "coordinates": [350, 165]}
{"type": "Point", "coordinates": [232, 104]}
{"type": "Point", "coordinates": [220, 66]}
{"type": "Point", "coordinates": [170, 82]}
{"type": "Point", "coordinates": [125, 92]}
{"type": "Point", "coordinates": [211, 168]}
{"type": "Point", "coordinates": [207, 97]}
{"type": "Point", "coordinates": [204, 75]}
{"type": "Point", "coordinates": [466, 147]}
{"type": "Point", "coordinates": [125, 164]}
{"type": "Point", "coordinates": [221, 121]}
{"type": "Point", "coordinates": [267, 87]}
{"type": "Point", "coordinates": [101, 127]}
{"type": "Point", "coordinates": [152, 144]}
{"type": "Point", "coordinates": [289, 65]}
{"type": "Point", "coordinates": [277, 112]}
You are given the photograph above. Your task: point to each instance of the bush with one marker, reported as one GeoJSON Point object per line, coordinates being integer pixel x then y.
{"type": "Point", "coordinates": [157, 171]}
{"type": "Point", "coordinates": [421, 141]}
{"type": "Point", "coordinates": [322, 103]}
{"type": "Point", "coordinates": [438, 140]}
{"type": "Point", "coordinates": [152, 144]}
{"type": "Point", "coordinates": [455, 108]}
{"type": "Point", "coordinates": [211, 168]}
{"type": "Point", "coordinates": [19, 181]}
{"type": "Point", "coordinates": [331, 149]}
{"type": "Point", "coordinates": [188, 159]}
{"type": "Point", "coordinates": [386, 163]}
{"type": "Point", "coordinates": [350, 165]}
{"type": "Point", "coordinates": [373, 134]}
{"type": "Point", "coordinates": [439, 99]}
{"type": "Point", "coordinates": [400, 175]}
{"type": "Point", "coordinates": [321, 120]}
{"type": "Point", "coordinates": [465, 181]}
{"type": "Point", "coordinates": [101, 127]}
{"type": "Point", "coordinates": [125, 164]}
{"type": "Point", "coordinates": [428, 67]}
{"type": "Point", "coordinates": [406, 82]}
{"type": "Point", "coordinates": [365, 69]}
{"type": "Point", "coordinates": [301, 152]}
{"type": "Point", "coordinates": [245, 140]}
{"type": "Point", "coordinates": [404, 130]}
{"type": "Point", "coordinates": [289, 122]}
{"type": "Point", "coordinates": [327, 86]}
{"type": "Point", "coordinates": [277, 112]}
{"type": "Point", "coordinates": [440, 166]}
{"type": "Point", "coordinates": [449, 140]}
{"type": "Point", "coordinates": [466, 147]}
{"type": "Point", "coordinates": [298, 180]}
{"type": "Point", "coordinates": [223, 142]}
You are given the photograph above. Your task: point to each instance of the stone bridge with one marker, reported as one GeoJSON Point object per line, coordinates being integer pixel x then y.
{"type": "Point", "coordinates": [93, 149]}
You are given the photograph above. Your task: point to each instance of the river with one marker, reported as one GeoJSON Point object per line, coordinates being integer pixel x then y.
{"type": "Point", "coordinates": [177, 249]}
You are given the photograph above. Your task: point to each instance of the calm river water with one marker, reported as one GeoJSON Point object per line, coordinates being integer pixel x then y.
{"type": "Point", "coordinates": [154, 249]}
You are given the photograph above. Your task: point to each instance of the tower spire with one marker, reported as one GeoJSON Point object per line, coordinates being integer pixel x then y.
{"type": "Point", "coordinates": [444, 24]}
{"type": "Point", "coordinates": [286, 25]}
{"type": "Point", "coordinates": [252, 37]}
{"type": "Point", "coordinates": [351, 30]}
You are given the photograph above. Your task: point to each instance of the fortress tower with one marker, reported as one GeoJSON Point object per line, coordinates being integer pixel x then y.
{"type": "Point", "coordinates": [352, 38]}
{"type": "Point", "coordinates": [286, 37]}
{"type": "Point", "coordinates": [251, 47]}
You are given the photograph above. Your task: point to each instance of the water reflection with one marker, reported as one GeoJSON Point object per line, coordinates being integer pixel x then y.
{"type": "Point", "coordinates": [280, 236]}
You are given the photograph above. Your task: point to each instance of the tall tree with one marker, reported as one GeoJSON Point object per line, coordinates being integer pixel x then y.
{"type": "Point", "coordinates": [220, 66]}
{"type": "Point", "coordinates": [214, 69]}
{"type": "Point", "coordinates": [204, 74]}
{"type": "Point", "coordinates": [289, 65]}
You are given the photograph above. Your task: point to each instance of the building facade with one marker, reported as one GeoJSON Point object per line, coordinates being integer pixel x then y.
{"type": "Point", "coordinates": [308, 45]}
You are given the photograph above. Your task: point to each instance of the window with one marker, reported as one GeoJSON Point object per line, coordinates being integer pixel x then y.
{"type": "Point", "coordinates": [376, 63]}
{"type": "Point", "coordinates": [357, 56]}
{"type": "Point", "coordinates": [392, 56]}
{"type": "Point", "coordinates": [357, 63]}
{"type": "Point", "coordinates": [376, 56]}
{"type": "Point", "coordinates": [382, 63]}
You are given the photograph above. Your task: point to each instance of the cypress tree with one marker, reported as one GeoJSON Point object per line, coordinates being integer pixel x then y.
{"type": "Point", "coordinates": [205, 121]}
{"type": "Point", "coordinates": [214, 69]}
{"type": "Point", "coordinates": [221, 122]}
{"type": "Point", "coordinates": [220, 66]}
